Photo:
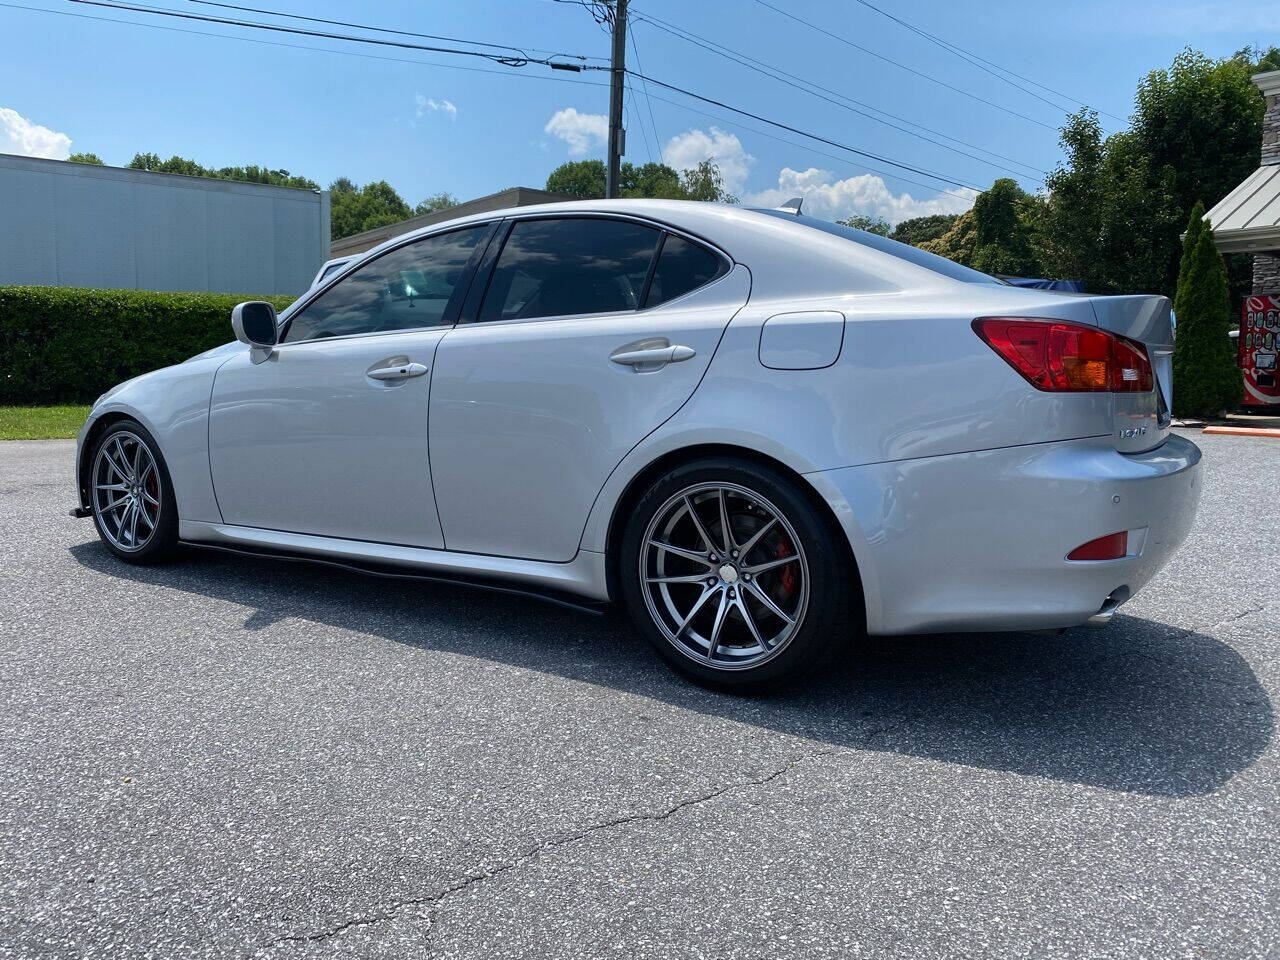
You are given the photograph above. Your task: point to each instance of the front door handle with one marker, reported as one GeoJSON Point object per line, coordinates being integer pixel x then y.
{"type": "Point", "coordinates": [652, 358]}
{"type": "Point", "coordinates": [402, 371]}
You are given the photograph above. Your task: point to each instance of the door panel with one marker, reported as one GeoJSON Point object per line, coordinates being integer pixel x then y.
{"type": "Point", "coordinates": [529, 417]}
{"type": "Point", "coordinates": [308, 442]}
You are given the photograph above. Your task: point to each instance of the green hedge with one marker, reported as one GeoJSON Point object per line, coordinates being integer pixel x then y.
{"type": "Point", "coordinates": [69, 344]}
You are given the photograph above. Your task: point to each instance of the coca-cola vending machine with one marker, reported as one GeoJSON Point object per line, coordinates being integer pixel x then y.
{"type": "Point", "coordinates": [1259, 342]}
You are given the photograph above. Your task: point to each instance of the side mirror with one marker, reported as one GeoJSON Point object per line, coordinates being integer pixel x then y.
{"type": "Point", "coordinates": [254, 323]}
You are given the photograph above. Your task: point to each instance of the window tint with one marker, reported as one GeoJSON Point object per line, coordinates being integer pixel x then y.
{"type": "Point", "coordinates": [682, 266]}
{"type": "Point", "coordinates": [409, 287]}
{"type": "Point", "coordinates": [551, 268]}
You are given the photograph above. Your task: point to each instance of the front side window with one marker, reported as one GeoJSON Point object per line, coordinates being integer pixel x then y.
{"type": "Point", "coordinates": [682, 266]}
{"type": "Point", "coordinates": [553, 268]}
{"type": "Point", "coordinates": [417, 285]}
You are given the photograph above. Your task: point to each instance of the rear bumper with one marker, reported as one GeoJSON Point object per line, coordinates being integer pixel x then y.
{"type": "Point", "coordinates": [978, 541]}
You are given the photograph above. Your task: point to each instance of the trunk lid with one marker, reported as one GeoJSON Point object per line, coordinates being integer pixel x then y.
{"type": "Point", "coordinates": [1141, 421]}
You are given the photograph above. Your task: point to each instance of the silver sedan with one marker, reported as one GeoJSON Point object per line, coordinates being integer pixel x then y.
{"type": "Point", "coordinates": [759, 432]}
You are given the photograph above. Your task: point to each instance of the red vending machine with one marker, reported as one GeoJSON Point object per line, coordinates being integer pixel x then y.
{"type": "Point", "coordinates": [1259, 343]}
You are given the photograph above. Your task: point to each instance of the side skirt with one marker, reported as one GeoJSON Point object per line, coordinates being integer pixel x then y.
{"type": "Point", "coordinates": [578, 584]}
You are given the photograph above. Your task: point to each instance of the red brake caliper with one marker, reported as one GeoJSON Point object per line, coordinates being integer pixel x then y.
{"type": "Point", "coordinates": [788, 576]}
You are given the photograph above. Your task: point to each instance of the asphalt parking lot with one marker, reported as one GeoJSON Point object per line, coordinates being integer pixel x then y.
{"type": "Point", "coordinates": [229, 757]}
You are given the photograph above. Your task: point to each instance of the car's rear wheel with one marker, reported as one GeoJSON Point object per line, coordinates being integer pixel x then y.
{"type": "Point", "coordinates": [734, 575]}
{"type": "Point", "coordinates": [131, 496]}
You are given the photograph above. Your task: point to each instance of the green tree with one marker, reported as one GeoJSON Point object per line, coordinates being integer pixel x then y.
{"type": "Point", "coordinates": [704, 182]}
{"type": "Point", "coordinates": [999, 235]}
{"type": "Point", "coordinates": [580, 179]}
{"type": "Point", "coordinates": [1005, 224]}
{"type": "Point", "coordinates": [437, 201]}
{"type": "Point", "coordinates": [1115, 208]}
{"type": "Point", "coordinates": [585, 180]}
{"type": "Point", "coordinates": [355, 209]}
{"type": "Point", "coordinates": [1206, 379]}
{"type": "Point", "coordinates": [90, 158]}
{"type": "Point", "coordinates": [876, 225]}
{"type": "Point", "coordinates": [918, 230]}
{"type": "Point", "coordinates": [250, 174]}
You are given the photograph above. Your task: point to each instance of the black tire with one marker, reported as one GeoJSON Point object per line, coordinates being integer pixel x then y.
{"type": "Point", "coordinates": [161, 542]}
{"type": "Point", "coordinates": [822, 621]}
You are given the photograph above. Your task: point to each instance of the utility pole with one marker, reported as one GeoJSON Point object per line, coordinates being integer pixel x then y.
{"type": "Point", "coordinates": [617, 135]}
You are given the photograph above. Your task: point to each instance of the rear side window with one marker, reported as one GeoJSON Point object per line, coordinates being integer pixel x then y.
{"type": "Point", "coordinates": [682, 266]}
{"type": "Point", "coordinates": [410, 287]}
{"type": "Point", "coordinates": [553, 268]}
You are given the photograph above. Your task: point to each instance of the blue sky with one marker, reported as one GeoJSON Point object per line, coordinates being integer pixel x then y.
{"type": "Point", "coordinates": [425, 125]}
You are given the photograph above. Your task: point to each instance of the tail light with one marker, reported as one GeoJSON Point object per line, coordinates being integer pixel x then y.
{"type": "Point", "coordinates": [1054, 355]}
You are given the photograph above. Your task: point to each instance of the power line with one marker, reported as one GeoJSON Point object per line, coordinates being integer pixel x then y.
{"type": "Point", "coordinates": [729, 121]}
{"type": "Point", "coordinates": [903, 66]}
{"type": "Point", "coordinates": [648, 102]}
{"type": "Point", "coordinates": [800, 83]}
{"type": "Point", "coordinates": [630, 108]}
{"type": "Point", "coordinates": [508, 74]}
{"type": "Point", "coordinates": [505, 60]}
{"type": "Point", "coordinates": [300, 46]}
{"type": "Point", "coordinates": [523, 51]}
{"type": "Point", "coordinates": [977, 61]}
{"type": "Point", "coordinates": [804, 133]}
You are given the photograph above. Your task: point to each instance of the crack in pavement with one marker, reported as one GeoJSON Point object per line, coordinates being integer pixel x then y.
{"type": "Point", "coordinates": [431, 902]}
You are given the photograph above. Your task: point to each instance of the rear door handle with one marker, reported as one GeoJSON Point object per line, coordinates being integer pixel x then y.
{"type": "Point", "coordinates": [401, 371]}
{"type": "Point", "coordinates": [652, 358]}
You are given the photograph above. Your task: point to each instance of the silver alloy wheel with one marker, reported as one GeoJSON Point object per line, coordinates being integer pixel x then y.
{"type": "Point", "coordinates": [126, 491]}
{"type": "Point", "coordinates": [724, 576]}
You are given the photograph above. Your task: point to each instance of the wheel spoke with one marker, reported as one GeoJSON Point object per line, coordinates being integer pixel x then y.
{"type": "Point", "coordinates": [697, 605]}
{"type": "Point", "coordinates": [773, 608]}
{"type": "Point", "coordinates": [697, 522]}
{"type": "Point", "coordinates": [137, 461]}
{"type": "Point", "coordinates": [689, 578]}
{"type": "Point", "coordinates": [111, 486]}
{"type": "Point", "coordinates": [760, 568]}
{"type": "Point", "coordinates": [133, 524]}
{"type": "Point", "coordinates": [116, 502]}
{"type": "Point", "coordinates": [741, 602]}
{"type": "Point", "coordinates": [124, 458]}
{"type": "Point", "coordinates": [725, 529]}
{"type": "Point", "coordinates": [682, 552]}
{"type": "Point", "coordinates": [111, 461]}
{"type": "Point", "coordinates": [745, 550]}
{"type": "Point", "coordinates": [148, 498]}
{"type": "Point", "coordinates": [718, 625]}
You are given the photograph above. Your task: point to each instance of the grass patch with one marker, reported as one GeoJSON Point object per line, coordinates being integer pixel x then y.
{"type": "Point", "coordinates": [41, 423]}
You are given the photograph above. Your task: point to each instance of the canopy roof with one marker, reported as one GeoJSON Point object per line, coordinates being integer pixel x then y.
{"type": "Point", "coordinates": [1247, 219]}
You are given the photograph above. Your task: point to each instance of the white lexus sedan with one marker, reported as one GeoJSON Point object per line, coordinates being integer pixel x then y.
{"type": "Point", "coordinates": [760, 432]}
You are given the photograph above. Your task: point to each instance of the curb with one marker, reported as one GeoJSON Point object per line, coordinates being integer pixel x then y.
{"type": "Point", "coordinates": [1245, 431]}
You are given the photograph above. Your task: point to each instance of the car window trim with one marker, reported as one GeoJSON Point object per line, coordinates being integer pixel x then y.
{"type": "Point", "coordinates": [471, 311]}
{"type": "Point", "coordinates": [311, 295]}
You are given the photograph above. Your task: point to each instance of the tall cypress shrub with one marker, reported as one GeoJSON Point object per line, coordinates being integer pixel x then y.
{"type": "Point", "coordinates": [1206, 377]}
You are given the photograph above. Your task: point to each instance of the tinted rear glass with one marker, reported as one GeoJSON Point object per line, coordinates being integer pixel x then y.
{"type": "Point", "coordinates": [554, 268]}
{"type": "Point", "coordinates": [682, 266]}
{"type": "Point", "coordinates": [903, 251]}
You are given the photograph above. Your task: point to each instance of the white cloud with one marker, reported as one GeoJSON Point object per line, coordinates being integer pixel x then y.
{"type": "Point", "coordinates": [19, 135]}
{"type": "Point", "coordinates": [867, 195]}
{"type": "Point", "coordinates": [581, 131]}
{"type": "Point", "coordinates": [431, 105]}
{"type": "Point", "coordinates": [686, 150]}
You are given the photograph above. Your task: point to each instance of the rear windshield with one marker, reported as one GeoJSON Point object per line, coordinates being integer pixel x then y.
{"type": "Point", "coordinates": [903, 251]}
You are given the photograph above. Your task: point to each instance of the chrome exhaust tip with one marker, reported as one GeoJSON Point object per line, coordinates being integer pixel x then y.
{"type": "Point", "coordinates": [1109, 607]}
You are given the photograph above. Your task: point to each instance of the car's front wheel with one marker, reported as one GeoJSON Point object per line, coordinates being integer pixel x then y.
{"type": "Point", "coordinates": [734, 575]}
{"type": "Point", "coordinates": [131, 496]}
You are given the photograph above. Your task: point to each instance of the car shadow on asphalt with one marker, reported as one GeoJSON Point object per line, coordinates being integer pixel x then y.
{"type": "Point", "coordinates": [1140, 706]}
